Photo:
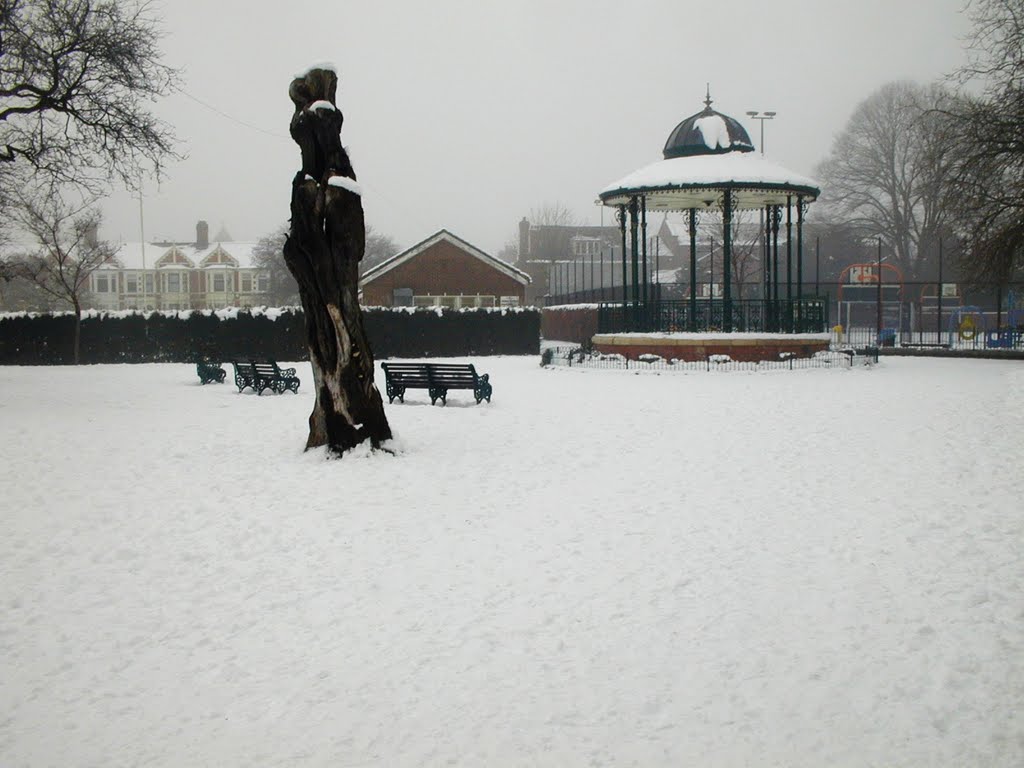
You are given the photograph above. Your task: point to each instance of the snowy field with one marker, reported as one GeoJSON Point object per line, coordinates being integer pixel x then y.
{"type": "Point", "coordinates": [600, 568]}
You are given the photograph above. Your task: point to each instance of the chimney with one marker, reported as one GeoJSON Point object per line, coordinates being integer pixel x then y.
{"type": "Point", "coordinates": [524, 239]}
{"type": "Point", "coordinates": [202, 235]}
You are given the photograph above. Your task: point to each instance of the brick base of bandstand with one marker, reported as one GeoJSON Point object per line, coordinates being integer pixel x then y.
{"type": "Point", "coordinates": [742, 347]}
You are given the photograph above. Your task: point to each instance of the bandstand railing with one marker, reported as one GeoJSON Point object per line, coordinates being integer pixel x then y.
{"type": "Point", "coordinates": [709, 315]}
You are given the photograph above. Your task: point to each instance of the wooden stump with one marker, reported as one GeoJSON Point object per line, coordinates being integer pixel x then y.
{"type": "Point", "coordinates": [323, 249]}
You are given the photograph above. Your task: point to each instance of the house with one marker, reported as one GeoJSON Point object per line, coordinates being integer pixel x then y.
{"type": "Point", "coordinates": [444, 271]}
{"type": "Point", "coordinates": [166, 275]}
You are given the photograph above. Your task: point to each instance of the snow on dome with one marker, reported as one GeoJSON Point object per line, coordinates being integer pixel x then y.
{"type": "Point", "coordinates": [344, 182]}
{"type": "Point", "coordinates": [714, 131]}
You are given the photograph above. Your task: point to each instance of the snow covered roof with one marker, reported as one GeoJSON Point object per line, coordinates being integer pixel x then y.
{"type": "Point", "coordinates": [705, 155]}
{"type": "Point", "coordinates": [698, 181]}
{"type": "Point", "coordinates": [183, 256]}
{"type": "Point", "coordinates": [502, 266]}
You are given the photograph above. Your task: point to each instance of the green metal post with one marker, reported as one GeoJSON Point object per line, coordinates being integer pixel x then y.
{"type": "Point", "coordinates": [693, 269]}
{"type": "Point", "coordinates": [789, 264]}
{"type": "Point", "coordinates": [633, 236]}
{"type": "Point", "coordinates": [727, 260]}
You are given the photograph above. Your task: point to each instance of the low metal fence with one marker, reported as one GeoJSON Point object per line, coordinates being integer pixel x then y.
{"type": "Point", "coordinates": [577, 357]}
{"type": "Point", "coordinates": [972, 339]}
{"type": "Point", "coordinates": [701, 315]}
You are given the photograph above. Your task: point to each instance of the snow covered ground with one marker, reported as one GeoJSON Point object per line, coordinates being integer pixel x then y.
{"type": "Point", "coordinates": [807, 568]}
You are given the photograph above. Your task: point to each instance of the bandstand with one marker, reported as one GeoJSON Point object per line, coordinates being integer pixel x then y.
{"type": "Point", "coordinates": [709, 164]}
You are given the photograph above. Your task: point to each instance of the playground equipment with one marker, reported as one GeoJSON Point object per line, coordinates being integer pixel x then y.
{"type": "Point", "coordinates": [859, 295]}
{"type": "Point", "coordinates": [966, 322]}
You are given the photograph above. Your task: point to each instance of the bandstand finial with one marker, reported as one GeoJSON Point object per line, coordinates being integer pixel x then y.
{"type": "Point", "coordinates": [707, 99]}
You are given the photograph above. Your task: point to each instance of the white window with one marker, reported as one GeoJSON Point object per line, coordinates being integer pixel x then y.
{"type": "Point", "coordinates": [218, 282]}
{"type": "Point", "coordinates": [173, 282]}
{"type": "Point", "coordinates": [510, 301]}
{"type": "Point", "coordinates": [148, 280]}
{"type": "Point", "coordinates": [131, 283]}
{"type": "Point", "coordinates": [102, 284]}
{"type": "Point", "coordinates": [246, 282]}
{"type": "Point", "coordinates": [263, 282]}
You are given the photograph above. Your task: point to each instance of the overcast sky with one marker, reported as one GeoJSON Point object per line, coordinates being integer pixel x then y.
{"type": "Point", "coordinates": [467, 114]}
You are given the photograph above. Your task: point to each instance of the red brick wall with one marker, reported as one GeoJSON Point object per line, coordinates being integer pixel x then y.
{"type": "Point", "coordinates": [442, 268]}
{"type": "Point", "coordinates": [575, 324]}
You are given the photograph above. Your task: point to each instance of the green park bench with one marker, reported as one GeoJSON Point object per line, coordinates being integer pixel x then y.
{"type": "Point", "coordinates": [436, 378]}
{"type": "Point", "coordinates": [264, 374]}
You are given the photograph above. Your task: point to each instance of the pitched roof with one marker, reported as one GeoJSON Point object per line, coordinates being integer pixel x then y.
{"type": "Point", "coordinates": [443, 234]}
{"type": "Point", "coordinates": [133, 256]}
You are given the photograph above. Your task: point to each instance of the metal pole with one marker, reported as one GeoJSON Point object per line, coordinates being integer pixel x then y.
{"type": "Point", "coordinates": [768, 281]}
{"type": "Point", "coordinates": [938, 318]}
{"type": "Point", "coordinates": [800, 264]}
{"type": "Point", "coordinates": [693, 269]}
{"type": "Point", "coordinates": [727, 260]}
{"type": "Point", "coordinates": [643, 231]}
{"type": "Point", "coordinates": [817, 265]}
{"type": "Point", "coordinates": [878, 307]}
{"type": "Point", "coordinates": [622, 231]}
{"type": "Point", "coordinates": [634, 213]}
{"type": "Point", "coordinates": [142, 234]}
{"type": "Point", "coordinates": [789, 264]}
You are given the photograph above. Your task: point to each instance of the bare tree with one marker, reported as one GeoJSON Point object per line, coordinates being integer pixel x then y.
{"type": "Point", "coordinates": [284, 290]}
{"type": "Point", "coordinates": [887, 170]}
{"type": "Point", "coordinates": [988, 131]}
{"type": "Point", "coordinates": [75, 79]}
{"type": "Point", "coordinates": [556, 214]}
{"type": "Point", "coordinates": [323, 250]}
{"type": "Point", "coordinates": [268, 255]}
{"type": "Point", "coordinates": [67, 251]}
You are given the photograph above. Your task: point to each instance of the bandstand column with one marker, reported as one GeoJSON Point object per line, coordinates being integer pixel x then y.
{"type": "Point", "coordinates": [800, 207]}
{"type": "Point", "coordinates": [727, 260]}
{"type": "Point", "coordinates": [776, 221]}
{"type": "Point", "coordinates": [767, 256]}
{"type": "Point", "coordinates": [693, 269]}
{"type": "Point", "coordinates": [643, 248]}
{"type": "Point", "coordinates": [621, 215]}
{"type": "Point", "coordinates": [789, 264]}
{"type": "Point", "coordinates": [634, 209]}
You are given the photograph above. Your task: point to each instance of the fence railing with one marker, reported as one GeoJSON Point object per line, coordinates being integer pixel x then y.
{"type": "Point", "coordinates": [704, 315]}
{"type": "Point", "coordinates": [577, 357]}
{"type": "Point", "coordinates": [957, 338]}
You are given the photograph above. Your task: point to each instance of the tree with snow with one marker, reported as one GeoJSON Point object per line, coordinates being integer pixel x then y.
{"type": "Point", "coordinates": [324, 246]}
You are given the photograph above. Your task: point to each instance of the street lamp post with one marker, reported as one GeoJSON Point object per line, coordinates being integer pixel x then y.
{"type": "Point", "coordinates": [766, 252]}
{"type": "Point", "coordinates": [761, 117]}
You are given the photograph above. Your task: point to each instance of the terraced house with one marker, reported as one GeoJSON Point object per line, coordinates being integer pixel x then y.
{"type": "Point", "coordinates": [166, 275]}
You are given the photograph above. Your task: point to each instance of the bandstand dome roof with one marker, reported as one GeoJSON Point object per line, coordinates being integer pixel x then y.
{"type": "Point", "coordinates": [707, 133]}
{"type": "Point", "coordinates": [706, 154]}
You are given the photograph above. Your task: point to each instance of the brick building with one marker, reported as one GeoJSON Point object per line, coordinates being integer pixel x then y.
{"type": "Point", "coordinates": [446, 271]}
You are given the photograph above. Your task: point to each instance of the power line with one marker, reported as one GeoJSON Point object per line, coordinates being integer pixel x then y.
{"type": "Point", "coordinates": [232, 118]}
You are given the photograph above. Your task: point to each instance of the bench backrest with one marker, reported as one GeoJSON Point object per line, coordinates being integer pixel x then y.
{"type": "Point", "coordinates": [266, 369]}
{"type": "Point", "coordinates": [428, 374]}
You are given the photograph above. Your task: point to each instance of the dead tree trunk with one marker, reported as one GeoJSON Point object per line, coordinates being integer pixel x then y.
{"type": "Point", "coordinates": [323, 249]}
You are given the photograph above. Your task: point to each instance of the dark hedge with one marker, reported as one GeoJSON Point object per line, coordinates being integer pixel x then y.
{"type": "Point", "coordinates": [122, 337]}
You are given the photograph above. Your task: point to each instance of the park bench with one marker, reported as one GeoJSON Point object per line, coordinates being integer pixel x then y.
{"type": "Point", "coordinates": [436, 378]}
{"type": "Point", "coordinates": [209, 371]}
{"type": "Point", "coordinates": [264, 374]}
